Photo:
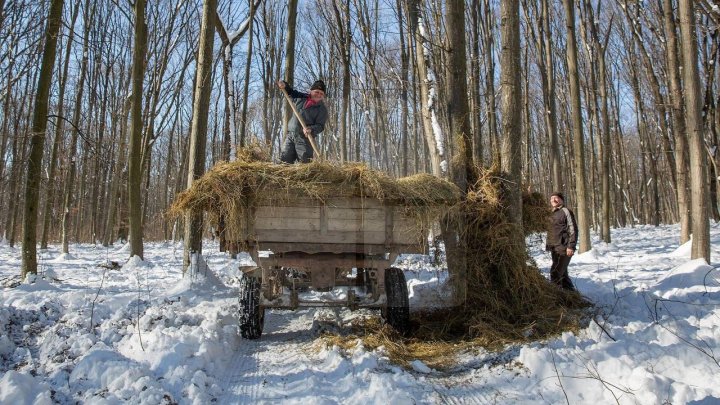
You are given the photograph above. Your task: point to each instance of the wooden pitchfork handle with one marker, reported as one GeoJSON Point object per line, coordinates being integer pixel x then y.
{"type": "Point", "coordinates": [310, 136]}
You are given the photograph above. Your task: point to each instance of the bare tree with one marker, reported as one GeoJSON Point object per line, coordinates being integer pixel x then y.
{"type": "Point", "coordinates": [59, 126]}
{"type": "Point", "coordinates": [489, 36]}
{"type": "Point", "coordinates": [39, 124]}
{"type": "Point", "coordinates": [511, 155]}
{"type": "Point", "coordinates": [77, 113]}
{"type": "Point", "coordinates": [246, 84]}
{"type": "Point", "coordinates": [199, 125]}
{"type": "Point", "coordinates": [136, 125]}
{"type": "Point", "coordinates": [290, 56]}
{"type": "Point", "coordinates": [343, 42]}
{"type": "Point", "coordinates": [228, 40]}
{"type": "Point", "coordinates": [462, 174]}
{"type": "Point", "coordinates": [598, 48]}
{"type": "Point", "coordinates": [426, 82]}
{"type": "Point", "coordinates": [577, 127]}
{"type": "Point", "coordinates": [693, 118]}
{"type": "Point", "coordinates": [678, 119]}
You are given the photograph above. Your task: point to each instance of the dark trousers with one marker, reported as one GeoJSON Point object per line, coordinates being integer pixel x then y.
{"type": "Point", "coordinates": [559, 271]}
{"type": "Point", "coordinates": [296, 147]}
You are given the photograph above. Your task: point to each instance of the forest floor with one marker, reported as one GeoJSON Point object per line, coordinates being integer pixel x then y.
{"type": "Point", "coordinates": [143, 333]}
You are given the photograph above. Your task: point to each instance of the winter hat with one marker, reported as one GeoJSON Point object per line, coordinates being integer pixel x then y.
{"type": "Point", "coordinates": [558, 195]}
{"type": "Point", "coordinates": [318, 85]}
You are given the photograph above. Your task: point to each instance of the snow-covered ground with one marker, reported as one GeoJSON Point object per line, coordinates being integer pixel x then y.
{"type": "Point", "coordinates": [144, 334]}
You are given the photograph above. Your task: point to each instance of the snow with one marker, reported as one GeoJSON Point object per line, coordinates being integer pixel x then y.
{"type": "Point", "coordinates": [143, 333]}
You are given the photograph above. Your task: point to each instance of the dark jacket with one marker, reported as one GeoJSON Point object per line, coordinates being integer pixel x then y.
{"type": "Point", "coordinates": [314, 116]}
{"type": "Point", "coordinates": [562, 231]}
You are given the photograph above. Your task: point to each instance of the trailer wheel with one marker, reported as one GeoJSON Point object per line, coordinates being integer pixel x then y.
{"type": "Point", "coordinates": [252, 315]}
{"type": "Point", "coordinates": [397, 311]}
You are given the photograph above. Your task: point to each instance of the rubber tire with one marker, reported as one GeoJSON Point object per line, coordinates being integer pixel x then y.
{"type": "Point", "coordinates": [252, 316]}
{"type": "Point", "coordinates": [397, 311]}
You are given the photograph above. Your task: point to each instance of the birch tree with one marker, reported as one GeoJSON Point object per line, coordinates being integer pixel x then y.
{"type": "Point", "coordinates": [431, 126]}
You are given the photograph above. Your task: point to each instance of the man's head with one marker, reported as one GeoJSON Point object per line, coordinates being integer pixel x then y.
{"type": "Point", "coordinates": [557, 199]}
{"type": "Point", "coordinates": [317, 91]}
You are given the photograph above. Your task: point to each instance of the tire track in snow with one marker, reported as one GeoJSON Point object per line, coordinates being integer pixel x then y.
{"type": "Point", "coordinates": [244, 381]}
{"type": "Point", "coordinates": [254, 374]}
{"type": "Point", "coordinates": [451, 396]}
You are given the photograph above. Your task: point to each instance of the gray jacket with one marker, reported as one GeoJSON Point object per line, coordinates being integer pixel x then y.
{"type": "Point", "coordinates": [314, 116]}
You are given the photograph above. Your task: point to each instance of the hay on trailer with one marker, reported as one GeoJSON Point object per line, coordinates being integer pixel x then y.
{"type": "Point", "coordinates": [231, 189]}
{"type": "Point", "coordinates": [508, 299]}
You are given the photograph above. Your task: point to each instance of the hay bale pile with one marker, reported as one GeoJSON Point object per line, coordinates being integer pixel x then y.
{"type": "Point", "coordinates": [508, 298]}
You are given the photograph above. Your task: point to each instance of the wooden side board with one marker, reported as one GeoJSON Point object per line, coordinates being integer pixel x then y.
{"type": "Point", "coordinates": [336, 222]}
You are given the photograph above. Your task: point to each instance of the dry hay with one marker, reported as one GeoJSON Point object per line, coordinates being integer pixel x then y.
{"type": "Point", "coordinates": [535, 212]}
{"type": "Point", "coordinates": [508, 301]}
{"type": "Point", "coordinates": [254, 152]}
{"type": "Point", "coordinates": [373, 334]}
{"type": "Point", "coordinates": [508, 295]}
{"type": "Point", "coordinates": [229, 190]}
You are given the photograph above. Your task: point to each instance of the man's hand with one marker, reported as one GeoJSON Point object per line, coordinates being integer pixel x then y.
{"type": "Point", "coordinates": [307, 131]}
{"type": "Point", "coordinates": [570, 252]}
{"type": "Point", "coordinates": [281, 84]}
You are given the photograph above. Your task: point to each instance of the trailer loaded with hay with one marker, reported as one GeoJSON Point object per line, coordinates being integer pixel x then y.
{"type": "Point", "coordinates": [320, 235]}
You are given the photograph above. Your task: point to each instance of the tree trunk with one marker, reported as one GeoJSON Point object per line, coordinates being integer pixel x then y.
{"type": "Point", "coordinates": [511, 93]}
{"type": "Point", "coordinates": [605, 157]}
{"type": "Point", "coordinates": [462, 173]}
{"type": "Point", "coordinates": [474, 79]}
{"type": "Point", "coordinates": [37, 140]}
{"type": "Point", "coordinates": [98, 166]}
{"type": "Point", "coordinates": [490, 84]}
{"type": "Point", "coordinates": [72, 168]}
{"type": "Point", "coordinates": [404, 70]}
{"type": "Point", "coordinates": [422, 50]}
{"type": "Point", "coordinates": [59, 126]}
{"type": "Point", "coordinates": [693, 118]}
{"type": "Point", "coordinates": [135, 170]}
{"type": "Point", "coordinates": [289, 58]}
{"type": "Point", "coordinates": [600, 48]}
{"type": "Point", "coordinates": [549, 98]}
{"type": "Point", "coordinates": [199, 126]}
{"type": "Point", "coordinates": [248, 61]}
{"type": "Point", "coordinates": [117, 177]}
{"type": "Point", "coordinates": [344, 44]}
{"type": "Point", "coordinates": [654, 87]}
{"type": "Point", "coordinates": [578, 138]}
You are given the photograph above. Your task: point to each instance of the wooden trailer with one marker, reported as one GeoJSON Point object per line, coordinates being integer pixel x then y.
{"type": "Point", "coordinates": [343, 244]}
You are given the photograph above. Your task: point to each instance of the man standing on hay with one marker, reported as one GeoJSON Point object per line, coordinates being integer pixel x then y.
{"type": "Point", "coordinates": [313, 112]}
{"type": "Point", "coordinates": [561, 241]}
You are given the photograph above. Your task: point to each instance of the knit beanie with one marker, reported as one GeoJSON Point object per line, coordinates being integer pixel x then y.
{"type": "Point", "coordinates": [558, 195]}
{"type": "Point", "coordinates": [318, 85]}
